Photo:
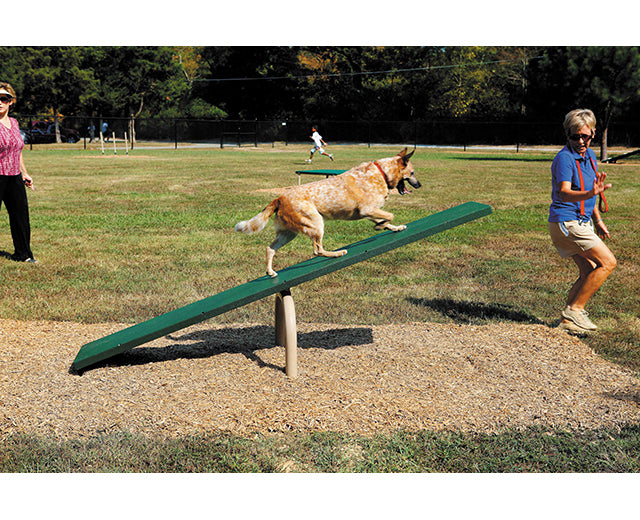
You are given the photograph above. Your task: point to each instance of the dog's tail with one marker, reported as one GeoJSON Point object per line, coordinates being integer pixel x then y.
{"type": "Point", "coordinates": [258, 222]}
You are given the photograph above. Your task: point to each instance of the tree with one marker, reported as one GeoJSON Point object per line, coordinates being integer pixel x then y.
{"type": "Point", "coordinates": [55, 79]}
{"type": "Point", "coordinates": [239, 81]}
{"type": "Point", "coordinates": [605, 79]}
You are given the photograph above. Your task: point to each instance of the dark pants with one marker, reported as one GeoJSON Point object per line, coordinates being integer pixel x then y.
{"type": "Point", "coordinates": [14, 196]}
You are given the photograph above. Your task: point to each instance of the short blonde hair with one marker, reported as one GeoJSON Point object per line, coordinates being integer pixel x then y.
{"type": "Point", "coordinates": [578, 118]}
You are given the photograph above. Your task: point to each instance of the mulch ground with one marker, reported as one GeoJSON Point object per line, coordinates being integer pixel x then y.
{"type": "Point", "coordinates": [362, 380]}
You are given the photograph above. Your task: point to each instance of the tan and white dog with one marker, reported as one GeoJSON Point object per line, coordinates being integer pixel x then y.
{"type": "Point", "coordinates": [357, 193]}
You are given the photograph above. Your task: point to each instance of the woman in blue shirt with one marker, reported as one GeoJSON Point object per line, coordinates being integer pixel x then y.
{"type": "Point", "coordinates": [575, 223]}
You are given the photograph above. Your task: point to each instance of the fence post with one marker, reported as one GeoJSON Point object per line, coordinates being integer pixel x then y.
{"type": "Point", "coordinates": [464, 136]}
{"type": "Point", "coordinates": [175, 133]}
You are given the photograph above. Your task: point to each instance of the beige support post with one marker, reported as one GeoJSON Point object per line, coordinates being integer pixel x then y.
{"type": "Point", "coordinates": [286, 334]}
{"type": "Point", "coordinates": [115, 151]}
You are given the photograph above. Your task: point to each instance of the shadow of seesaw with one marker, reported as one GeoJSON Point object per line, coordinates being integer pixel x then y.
{"type": "Point", "coordinates": [203, 344]}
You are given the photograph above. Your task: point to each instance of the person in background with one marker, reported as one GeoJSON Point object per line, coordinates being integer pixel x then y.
{"type": "Point", "coordinates": [575, 222]}
{"type": "Point", "coordinates": [317, 146]}
{"type": "Point", "coordinates": [14, 177]}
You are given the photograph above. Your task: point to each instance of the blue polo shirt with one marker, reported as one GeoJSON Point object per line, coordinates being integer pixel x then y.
{"type": "Point", "coordinates": [565, 168]}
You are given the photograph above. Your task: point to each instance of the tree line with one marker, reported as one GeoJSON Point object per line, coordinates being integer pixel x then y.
{"type": "Point", "coordinates": [332, 83]}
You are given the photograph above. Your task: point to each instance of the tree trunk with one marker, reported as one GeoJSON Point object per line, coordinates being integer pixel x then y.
{"type": "Point", "coordinates": [604, 145]}
{"type": "Point", "coordinates": [604, 153]}
{"type": "Point", "coordinates": [132, 129]}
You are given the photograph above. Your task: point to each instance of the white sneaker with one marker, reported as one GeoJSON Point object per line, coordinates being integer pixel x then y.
{"type": "Point", "coordinates": [580, 318]}
{"type": "Point", "coordinates": [308, 161]}
{"type": "Point", "coordinates": [572, 328]}
{"type": "Point", "coordinates": [331, 157]}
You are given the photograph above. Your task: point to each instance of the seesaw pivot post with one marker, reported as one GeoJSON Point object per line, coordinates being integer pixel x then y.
{"type": "Point", "coordinates": [286, 333]}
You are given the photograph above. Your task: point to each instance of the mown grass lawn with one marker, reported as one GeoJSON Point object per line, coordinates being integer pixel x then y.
{"type": "Point", "coordinates": [125, 238]}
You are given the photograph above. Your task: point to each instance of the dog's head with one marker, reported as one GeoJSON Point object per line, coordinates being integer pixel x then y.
{"type": "Point", "coordinates": [405, 172]}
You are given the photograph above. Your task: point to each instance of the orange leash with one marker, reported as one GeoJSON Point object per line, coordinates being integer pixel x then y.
{"type": "Point", "coordinates": [602, 202]}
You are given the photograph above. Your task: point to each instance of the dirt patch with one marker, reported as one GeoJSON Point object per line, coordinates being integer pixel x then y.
{"type": "Point", "coordinates": [363, 380]}
{"type": "Point", "coordinates": [114, 156]}
{"type": "Point", "coordinates": [274, 191]}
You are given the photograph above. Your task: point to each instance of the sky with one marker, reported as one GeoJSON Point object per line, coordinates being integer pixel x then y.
{"type": "Point", "coordinates": [329, 22]}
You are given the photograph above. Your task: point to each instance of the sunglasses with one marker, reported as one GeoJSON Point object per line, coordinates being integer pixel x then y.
{"type": "Point", "coordinates": [577, 137]}
{"type": "Point", "coordinates": [5, 99]}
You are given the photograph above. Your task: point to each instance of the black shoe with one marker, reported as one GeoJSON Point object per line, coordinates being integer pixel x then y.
{"type": "Point", "coordinates": [27, 260]}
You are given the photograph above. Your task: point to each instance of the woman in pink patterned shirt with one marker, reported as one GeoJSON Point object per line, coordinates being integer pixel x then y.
{"type": "Point", "coordinates": [14, 178]}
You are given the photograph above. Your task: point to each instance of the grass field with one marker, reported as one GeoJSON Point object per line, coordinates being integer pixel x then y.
{"type": "Point", "coordinates": [125, 238]}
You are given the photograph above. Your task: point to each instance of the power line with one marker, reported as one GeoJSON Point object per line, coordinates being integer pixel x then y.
{"type": "Point", "coordinates": [370, 73]}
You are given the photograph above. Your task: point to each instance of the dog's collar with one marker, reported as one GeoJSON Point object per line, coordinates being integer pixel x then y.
{"type": "Point", "coordinates": [383, 174]}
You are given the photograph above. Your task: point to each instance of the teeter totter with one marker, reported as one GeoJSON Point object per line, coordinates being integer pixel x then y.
{"type": "Point", "coordinates": [285, 318]}
{"type": "Point", "coordinates": [615, 158]}
{"type": "Point", "coordinates": [326, 173]}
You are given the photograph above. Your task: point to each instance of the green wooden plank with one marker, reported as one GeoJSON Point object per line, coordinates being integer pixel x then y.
{"type": "Point", "coordinates": [622, 156]}
{"type": "Point", "coordinates": [321, 172]}
{"type": "Point", "coordinates": [259, 288]}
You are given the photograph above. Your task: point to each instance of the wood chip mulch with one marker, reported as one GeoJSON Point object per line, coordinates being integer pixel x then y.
{"type": "Point", "coordinates": [362, 380]}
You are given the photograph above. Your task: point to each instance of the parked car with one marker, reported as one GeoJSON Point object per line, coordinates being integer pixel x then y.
{"type": "Point", "coordinates": [45, 132]}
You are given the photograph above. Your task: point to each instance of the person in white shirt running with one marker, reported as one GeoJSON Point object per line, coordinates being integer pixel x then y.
{"type": "Point", "coordinates": [318, 145]}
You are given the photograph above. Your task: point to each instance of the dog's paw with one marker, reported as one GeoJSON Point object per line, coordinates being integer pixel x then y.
{"type": "Point", "coordinates": [342, 252]}
{"type": "Point", "coordinates": [272, 274]}
{"type": "Point", "coordinates": [391, 227]}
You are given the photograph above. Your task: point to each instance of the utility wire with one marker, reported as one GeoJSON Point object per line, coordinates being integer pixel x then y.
{"type": "Point", "coordinates": [375, 72]}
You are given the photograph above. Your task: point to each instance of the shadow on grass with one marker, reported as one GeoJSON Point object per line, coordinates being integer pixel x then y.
{"type": "Point", "coordinates": [504, 159]}
{"type": "Point", "coordinates": [475, 312]}
{"type": "Point", "coordinates": [245, 340]}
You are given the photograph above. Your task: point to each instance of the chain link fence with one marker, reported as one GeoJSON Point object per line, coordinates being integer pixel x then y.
{"type": "Point", "coordinates": [251, 133]}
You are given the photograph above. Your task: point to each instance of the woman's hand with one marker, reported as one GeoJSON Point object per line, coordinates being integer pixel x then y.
{"type": "Point", "coordinates": [28, 181]}
{"type": "Point", "coordinates": [599, 186]}
{"type": "Point", "coordinates": [601, 229]}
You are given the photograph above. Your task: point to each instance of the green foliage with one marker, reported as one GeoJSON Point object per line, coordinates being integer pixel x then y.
{"type": "Point", "coordinates": [605, 79]}
{"type": "Point", "coordinates": [334, 83]}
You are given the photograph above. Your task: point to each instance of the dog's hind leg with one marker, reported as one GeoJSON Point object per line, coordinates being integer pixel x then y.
{"type": "Point", "coordinates": [381, 219]}
{"type": "Point", "coordinates": [314, 229]}
{"type": "Point", "coordinates": [318, 250]}
{"type": "Point", "coordinates": [283, 236]}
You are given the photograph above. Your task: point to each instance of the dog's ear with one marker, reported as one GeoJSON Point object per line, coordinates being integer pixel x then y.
{"type": "Point", "coordinates": [405, 158]}
{"type": "Point", "coordinates": [402, 153]}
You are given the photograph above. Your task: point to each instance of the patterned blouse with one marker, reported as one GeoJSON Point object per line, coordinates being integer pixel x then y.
{"type": "Point", "coordinates": [11, 145]}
